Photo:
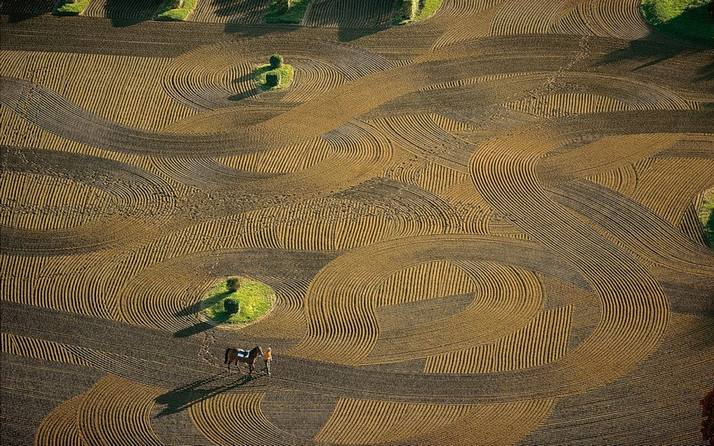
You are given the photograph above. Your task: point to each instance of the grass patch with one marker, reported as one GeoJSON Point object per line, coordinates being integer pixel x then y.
{"type": "Point", "coordinates": [689, 19]}
{"type": "Point", "coordinates": [430, 7]}
{"type": "Point", "coordinates": [292, 15]}
{"type": "Point", "coordinates": [427, 10]}
{"type": "Point", "coordinates": [706, 216]}
{"type": "Point", "coordinates": [68, 8]}
{"type": "Point", "coordinates": [286, 76]}
{"type": "Point", "coordinates": [167, 12]}
{"type": "Point", "coordinates": [256, 299]}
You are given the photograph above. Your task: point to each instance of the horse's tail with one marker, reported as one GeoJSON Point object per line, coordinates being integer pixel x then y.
{"type": "Point", "coordinates": [225, 361]}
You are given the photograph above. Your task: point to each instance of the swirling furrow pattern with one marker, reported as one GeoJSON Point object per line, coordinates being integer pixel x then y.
{"type": "Point", "coordinates": [236, 419]}
{"type": "Point", "coordinates": [240, 11]}
{"type": "Point", "coordinates": [542, 341]}
{"type": "Point", "coordinates": [40, 349]}
{"type": "Point", "coordinates": [60, 425]}
{"type": "Point", "coordinates": [349, 13]}
{"type": "Point", "coordinates": [117, 410]}
{"type": "Point", "coordinates": [480, 228]}
{"type": "Point", "coordinates": [362, 422]}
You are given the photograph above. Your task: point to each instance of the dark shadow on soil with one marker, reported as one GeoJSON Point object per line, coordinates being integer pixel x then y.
{"type": "Point", "coordinates": [194, 329]}
{"type": "Point", "coordinates": [196, 307]}
{"type": "Point", "coordinates": [182, 398]}
{"type": "Point", "coordinates": [19, 10]}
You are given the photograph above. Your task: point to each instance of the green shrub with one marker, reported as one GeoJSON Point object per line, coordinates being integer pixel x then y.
{"type": "Point", "coordinates": [284, 5]}
{"type": "Point", "coordinates": [276, 61]}
{"type": "Point", "coordinates": [231, 305]}
{"type": "Point", "coordinates": [688, 19]}
{"type": "Point", "coordinates": [272, 79]}
{"type": "Point", "coordinates": [71, 7]}
{"type": "Point", "coordinates": [233, 283]}
{"type": "Point", "coordinates": [278, 13]}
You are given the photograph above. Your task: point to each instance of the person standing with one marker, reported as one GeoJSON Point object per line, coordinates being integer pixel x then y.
{"type": "Point", "coordinates": [267, 357]}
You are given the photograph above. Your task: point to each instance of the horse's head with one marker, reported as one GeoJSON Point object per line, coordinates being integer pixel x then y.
{"type": "Point", "coordinates": [260, 351]}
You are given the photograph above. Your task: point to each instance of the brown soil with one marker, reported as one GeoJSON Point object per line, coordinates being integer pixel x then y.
{"type": "Point", "coordinates": [481, 228]}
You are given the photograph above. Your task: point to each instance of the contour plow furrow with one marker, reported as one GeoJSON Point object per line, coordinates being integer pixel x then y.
{"type": "Point", "coordinates": [349, 13]}
{"type": "Point", "coordinates": [634, 308]}
{"type": "Point", "coordinates": [117, 410]}
{"type": "Point", "coordinates": [101, 84]}
{"type": "Point", "coordinates": [502, 297]}
{"type": "Point", "coordinates": [665, 193]}
{"type": "Point", "coordinates": [60, 426]}
{"type": "Point", "coordinates": [348, 332]}
{"type": "Point", "coordinates": [237, 419]}
{"type": "Point", "coordinates": [40, 349]}
{"type": "Point", "coordinates": [236, 11]}
{"type": "Point", "coordinates": [482, 222]}
{"type": "Point", "coordinates": [362, 422]}
{"type": "Point", "coordinates": [654, 239]}
{"type": "Point", "coordinates": [542, 341]}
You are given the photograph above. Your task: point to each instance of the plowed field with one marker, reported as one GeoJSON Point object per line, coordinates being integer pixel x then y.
{"type": "Point", "coordinates": [481, 228]}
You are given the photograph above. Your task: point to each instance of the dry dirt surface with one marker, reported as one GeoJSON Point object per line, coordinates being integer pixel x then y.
{"type": "Point", "coordinates": [481, 228]}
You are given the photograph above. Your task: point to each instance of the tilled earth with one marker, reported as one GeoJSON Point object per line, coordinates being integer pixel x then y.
{"type": "Point", "coordinates": [480, 229]}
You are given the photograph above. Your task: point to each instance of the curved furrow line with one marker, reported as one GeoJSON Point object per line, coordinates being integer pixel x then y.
{"type": "Point", "coordinates": [72, 291]}
{"type": "Point", "coordinates": [663, 190]}
{"type": "Point", "coordinates": [645, 411]}
{"type": "Point", "coordinates": [286, 159]}
{"type": "Point", "coordinates": [639, 230]}
{"type": "Point", "coordinates": [634, 309]}
{"type": "Point", "coordinates": [349, 13]}
{"type": "Point", "coordinates": [558, 105]}
{"type": "Point", "coordinates": [131, 10]}
{"type": "Point", "coordinates": [342, 299]}
{"type": "Point", "coordinates": [220, 75]}
{"type": "Point", "coordinates": [44, 203]}
{"type": "Point", "coordinates": [134, 196]}
{"type": "Point", "coordinates": [60, 425]}
{"type": "Point", "coordinates": [623, 179]}
{"type": "Point", "coordinates": [431, 280]}
{"type": "Point", "coordinates": [105, 85]}
{"type": "Point", "coordinates": [464, 20]}
{"type": "Point", "coordinates": [689, 224]}
{"type": "Point", "coordinates": [605, 153]}
{"type": "Point", "coordinates": [621, 19]}
{"type": "Point", "coordinates": [362, 422]}
{"type": "Point", "coordinates": [505, 299]}
{"type": "Point", "coordinates": [421, 136]}
{"type": "Point", "coordinates": [312, 78]}
{"type": "Point", "coordinates": [242, 11]}
{"type": "Point", "coordinates": [543, 340]}
{"type": "Point", "coordinates": [118, 410]}
{"type": "Point", "coordinates": [525, 17]}
{"type": "Point", "coordinates": [570, 21]}
{"type": "Point", "coordinates": [147, 300]}
{"type": "Point", "coordinates": [236, 419]}
{"type": "Point", "coordinates": [40, 349]}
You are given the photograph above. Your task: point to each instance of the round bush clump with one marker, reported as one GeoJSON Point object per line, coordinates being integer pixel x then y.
{"type": "Point", "coordinates": [272, 79]}
{"type": "Point", "coordinates": [276, 61]}
{"type": "Point", "coordinates": [233, 284]}
{"type": "Point", "coordinates": [231, 306]}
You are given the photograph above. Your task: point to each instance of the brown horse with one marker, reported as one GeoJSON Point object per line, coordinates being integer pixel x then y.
{"type": "Point", "coordinates": [234, 355]}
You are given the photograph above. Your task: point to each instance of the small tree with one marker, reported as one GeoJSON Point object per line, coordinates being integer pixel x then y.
{"type": "Point", "coordinates": [284, 5]}
{"type": "Point", "coordinates": [231, 305]}
{"type": "Point", "coordinates": [276, 61]}
{"type": "Point", "coordinates": [233, 283]}
{"type": "Point", "coordinates": [410, 8]}
{"type": "Point", "coordinates": [272, 79]}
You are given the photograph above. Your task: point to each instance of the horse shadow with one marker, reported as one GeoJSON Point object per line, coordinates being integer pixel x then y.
{"type": "Point", "coordinates": [182, 398]}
